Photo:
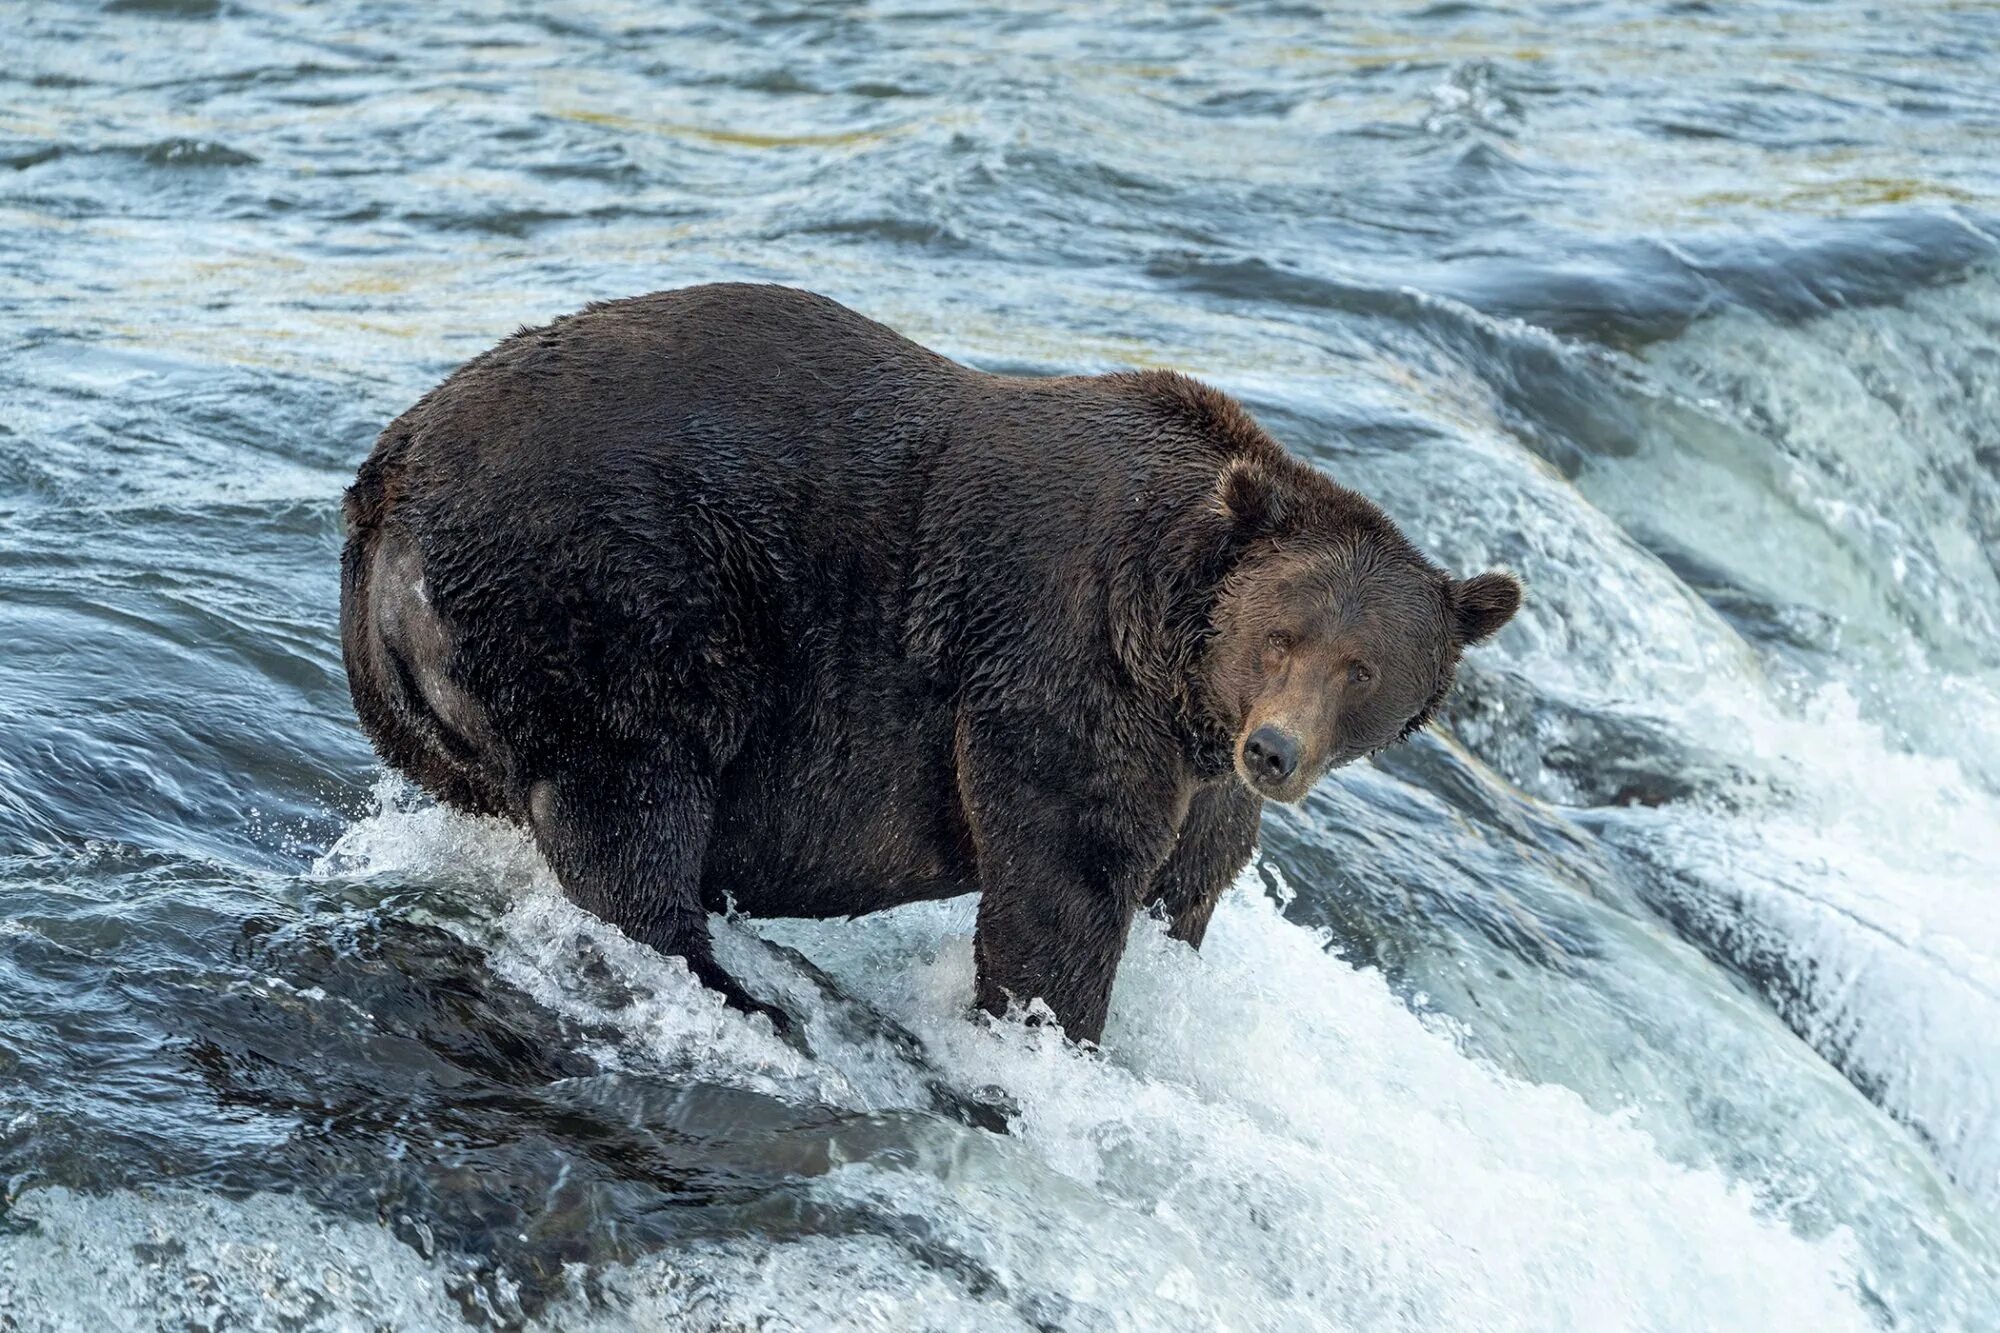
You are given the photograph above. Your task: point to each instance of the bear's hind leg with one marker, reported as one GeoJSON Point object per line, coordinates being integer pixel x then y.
{"type": "Point", "coordinates": [626, 837]}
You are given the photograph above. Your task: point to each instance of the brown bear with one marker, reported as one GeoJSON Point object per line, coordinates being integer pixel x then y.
{"type": "Point", "coordinates": [732, 596]}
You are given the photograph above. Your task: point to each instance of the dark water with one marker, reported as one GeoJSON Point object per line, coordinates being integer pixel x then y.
{"type": "Point", "coordinates": [1657, 989]}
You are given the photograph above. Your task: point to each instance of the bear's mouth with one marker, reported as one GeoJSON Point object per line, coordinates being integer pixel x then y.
{"type": "Point", "coordinates": [1292, 789]}
{"type": "Point", "coordinates": [1286, 791]}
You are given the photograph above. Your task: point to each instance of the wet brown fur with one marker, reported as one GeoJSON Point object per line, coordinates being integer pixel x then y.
{"type": "Point", "coordinates": [732, 596]}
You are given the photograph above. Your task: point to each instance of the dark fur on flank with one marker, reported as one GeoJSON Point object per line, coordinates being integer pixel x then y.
{"type": "Point", "coordinates": [729, 594]}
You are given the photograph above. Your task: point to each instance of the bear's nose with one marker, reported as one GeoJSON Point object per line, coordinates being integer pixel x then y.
{"type": "Point", "coordinates": [1270, 755]}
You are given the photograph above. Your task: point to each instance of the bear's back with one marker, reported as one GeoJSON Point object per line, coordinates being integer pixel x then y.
{"type": "Point", "coordinates": [729, 374]}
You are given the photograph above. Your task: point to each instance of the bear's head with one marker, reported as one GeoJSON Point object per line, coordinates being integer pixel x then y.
{"type": "Point", "coordinates": [1332, 635]}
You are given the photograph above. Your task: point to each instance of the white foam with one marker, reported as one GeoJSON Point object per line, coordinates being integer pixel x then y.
{"type": "Point", "coordinates": [1844, 830]}
{"type": "Point", "coordinates": [172, 1259]}
{"type": "Point", "coordinates": [1269, 1139]}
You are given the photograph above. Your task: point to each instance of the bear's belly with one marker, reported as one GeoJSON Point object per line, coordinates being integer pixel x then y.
{"type": "Point", "coordinates": [855, 811]}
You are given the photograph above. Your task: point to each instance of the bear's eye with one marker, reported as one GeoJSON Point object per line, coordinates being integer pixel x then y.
{"type": "Point", "coordinates": [1278, 641]}
{"type": "Point", "coordinates": [1361, 673]}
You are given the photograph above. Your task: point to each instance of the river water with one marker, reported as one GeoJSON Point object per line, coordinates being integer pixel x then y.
{"type": "Point", "coordinates": [1659, 987]}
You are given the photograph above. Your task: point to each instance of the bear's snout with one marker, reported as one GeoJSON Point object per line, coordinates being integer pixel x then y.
{"type": "Point", "coordinates": [1270, 757]}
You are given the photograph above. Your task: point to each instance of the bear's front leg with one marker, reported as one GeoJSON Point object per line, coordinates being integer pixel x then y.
{"type": "Point", "coordinates": [1066, 850]}
{"type": "Point", "coordinates": [626, 833]}
{"type": "Point", "coordinates": [1215, 844]}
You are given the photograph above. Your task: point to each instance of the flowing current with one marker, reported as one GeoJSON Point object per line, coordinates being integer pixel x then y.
{"type": "Point", "coordinates": [1657, 988]}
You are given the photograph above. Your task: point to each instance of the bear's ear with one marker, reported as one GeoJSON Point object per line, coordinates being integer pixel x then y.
{"type": "Point", "coordinates": [1255, 502]}
{"type": "Point", "coordinates": [1483, 603]}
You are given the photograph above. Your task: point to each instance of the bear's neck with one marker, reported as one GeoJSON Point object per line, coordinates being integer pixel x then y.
{"type": "Point", "coordinates": [1163, 618]}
